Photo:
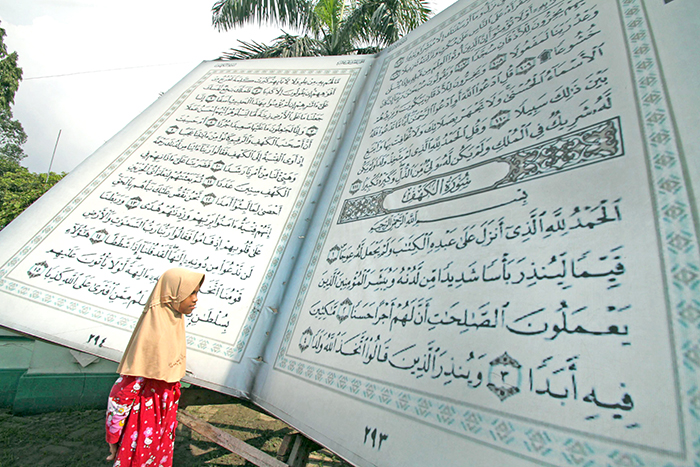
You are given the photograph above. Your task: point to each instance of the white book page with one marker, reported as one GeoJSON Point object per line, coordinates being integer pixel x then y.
{"type": "Point", "coordinates": [507, 270]}
{"type": "Point", "coordinates": [213, 177]}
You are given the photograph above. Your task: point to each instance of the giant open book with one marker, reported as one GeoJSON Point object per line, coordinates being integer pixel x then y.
{"type": "Point", "coordinates": [478, 247]}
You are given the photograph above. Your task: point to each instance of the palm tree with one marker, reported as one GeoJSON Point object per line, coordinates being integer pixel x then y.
{"type": "Point", "coordinates": [328, 27]}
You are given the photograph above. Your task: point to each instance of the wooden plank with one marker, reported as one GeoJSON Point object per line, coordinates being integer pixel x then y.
{"type": "Point", "coordinates": [286, 446]}
{"type": "Point", "coordinates": [228, 441]}
{"type": "Point", "coordinates": [296, 457]}
{"type": "Point", "coordinates": [303, 446]}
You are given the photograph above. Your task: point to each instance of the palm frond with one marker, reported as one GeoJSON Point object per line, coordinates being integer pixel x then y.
{"type": "Point", "coordinates": [227, 14]}
{"type": "Point", "coordinates": [331, 27]}
{"type": "Point", "coordinates": [284, 46]}
{"type": "Point", "coordinates": [384, 21]}
{"type": "Point", "coordinates": [331, 14]}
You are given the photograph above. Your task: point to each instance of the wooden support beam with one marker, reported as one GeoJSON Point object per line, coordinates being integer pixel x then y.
{"type": "Point", "coordinates": [295, 449]}
{"type": "Point", "coordinates": [303, 446]}
{"type": "Point", "coordinates": [229, 441]}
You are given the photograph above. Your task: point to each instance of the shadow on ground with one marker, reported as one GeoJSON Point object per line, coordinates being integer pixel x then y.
{"type": "Point", "coordinates": [76, 438]}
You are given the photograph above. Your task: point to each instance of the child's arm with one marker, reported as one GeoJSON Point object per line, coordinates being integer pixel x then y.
{"type": "Point", "coordinates": [121, 399]}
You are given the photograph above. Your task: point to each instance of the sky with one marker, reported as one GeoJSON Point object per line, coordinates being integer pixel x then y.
{"type": "Point", "coordinates": [91, 66]}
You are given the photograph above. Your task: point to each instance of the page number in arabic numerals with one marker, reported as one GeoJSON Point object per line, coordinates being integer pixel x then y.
{"type": "Point", "coordinates": [96, 340]}
{"type": "Point", "coordinates": [372, 435]}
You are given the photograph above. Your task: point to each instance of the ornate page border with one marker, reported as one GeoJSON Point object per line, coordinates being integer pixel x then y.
{"type": "Point", "coordinates": [233, 352]}
{"type": "Point", "coordinates": [679, 245]}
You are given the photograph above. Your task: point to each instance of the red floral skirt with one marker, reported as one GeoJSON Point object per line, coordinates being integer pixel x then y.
{"type": "Point", "coordinates": [141, 418]}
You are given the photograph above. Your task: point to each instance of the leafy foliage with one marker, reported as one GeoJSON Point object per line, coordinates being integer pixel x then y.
{"type": "Point", "coordinates": [329, 27]}
{"type": "Point", "coordinates": [19, 188]}
{"type": "Point", "coordinates": [12, 135]}
{"type": "Point", "coordinates": [284, 46]}
{"type": "Point", "coordinates": [10, 74]}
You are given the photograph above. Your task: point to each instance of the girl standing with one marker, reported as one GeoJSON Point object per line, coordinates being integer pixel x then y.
{"type": "Point", "coordinates": [142, 405]}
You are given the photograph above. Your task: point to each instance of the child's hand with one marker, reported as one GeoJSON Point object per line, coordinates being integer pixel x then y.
{"type": "Point", "coordinates": [112, 452]}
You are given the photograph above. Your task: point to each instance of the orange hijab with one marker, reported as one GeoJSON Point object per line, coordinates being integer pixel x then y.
{"type": "Point", "coordinates": [157, 346]}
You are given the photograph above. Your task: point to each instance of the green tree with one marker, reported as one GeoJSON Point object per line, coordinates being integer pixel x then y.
{"type": "Point", "coordinates": [18, 186]}
{"type": "Point", "coordinates": [10, 73]}
{"type": "Point", "coordinates": [12, 135]}
{"type": "Point", "coordinates": [328, 27]}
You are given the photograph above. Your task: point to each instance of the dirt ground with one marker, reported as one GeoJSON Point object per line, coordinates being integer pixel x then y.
{"type": "Point", "coordinates": [76, 438]}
